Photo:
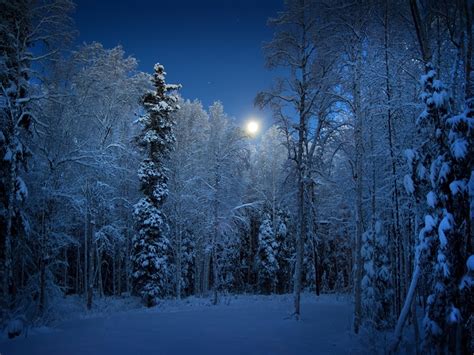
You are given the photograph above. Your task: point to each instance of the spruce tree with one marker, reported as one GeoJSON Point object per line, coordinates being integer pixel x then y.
{"type": "Point", "coordinates": [377, 290]}
{"type": "Point", "coordinates": [445, 241]}
{"type": "Point", "coordinates": [151, 246]}
{"type": "Point", "coordinates": [383, 284]}
{"type": "Point", "coordinates": [267, 262]}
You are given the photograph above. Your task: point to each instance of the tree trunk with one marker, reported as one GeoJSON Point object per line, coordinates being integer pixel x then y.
{"type": "Point", "coordinates": [7, 282]}
{"type": "Point", "coordinates": [178, 263]}
{"type": "Point", "coordinates": [100, 284]}
{"type": "Point", "coordinates": [301, 235]}
{"type": "Point", "coordinates": [114, 271]}
{"type": "Point", "coordinates": [78, 265]}
{"type": "Point", "coordinates": [205, 272]}
{"type": "Point", "coordinates": [42, 285]}
{"type": "Point", "coordinates": [66, 267]}
{"type": "Point", "coordinates": [358, 138]}
{"type": "Point", "coordinates": [397, 335]}
{"type": "Point", "coordinates": [90, 261]}
{"type": "Point", "coordinates": [86, 251]}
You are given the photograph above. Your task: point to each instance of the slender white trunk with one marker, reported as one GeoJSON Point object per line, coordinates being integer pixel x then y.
{"type": "Point", "coordinates": [397, 335]}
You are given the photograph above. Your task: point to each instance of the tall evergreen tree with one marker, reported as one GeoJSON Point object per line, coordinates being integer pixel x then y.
{"type": "Point", "coordinates": [151, 246]}
{"type": "Point", "coordinates": [446, 236]}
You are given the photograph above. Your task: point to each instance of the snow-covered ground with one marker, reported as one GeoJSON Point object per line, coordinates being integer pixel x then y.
{"type": "Point", "coordinates": [238, 325]}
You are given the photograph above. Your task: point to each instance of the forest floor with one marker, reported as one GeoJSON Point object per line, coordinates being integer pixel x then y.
{"type": "Point", "coordinates": [237, 325]}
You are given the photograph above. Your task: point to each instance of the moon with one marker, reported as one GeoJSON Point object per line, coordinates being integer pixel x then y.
{"type": "Point", "coordinates": [252, 127]}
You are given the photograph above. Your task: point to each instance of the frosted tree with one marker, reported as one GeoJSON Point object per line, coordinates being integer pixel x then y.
{"type": "Point", "coordinates": [23, 24]}
{"type": "Point", "coordinates": [445, 235]}
{"type": "Point", "coordinates": [267, 252]}
{"type": "Point", "coordinates": [16, 120]}
{"type": "Point", "coordinates": [368, 294]}
{"type": "Point", "coordinates": [376, 283]}
{"type": "Point", "coordinates": [226, 154]}
{"type": "Point", "coordinates": [270, 158]}
{"type": "Point", "coordinates": [186, 168]}
{"type": "Point", "coordinates": [383, 283]}
{"type": "Point", "coordinates": [444, 161]}
{"type": "Point", "coordinates": [285, 250]}
{"type": "Point", "coordinates": [151, 246]}
{"type": "Point", "coordinates": [300, 95]}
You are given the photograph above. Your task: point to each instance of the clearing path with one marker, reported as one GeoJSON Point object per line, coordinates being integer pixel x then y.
{"type": "Point", "coordinates": [239, 325]}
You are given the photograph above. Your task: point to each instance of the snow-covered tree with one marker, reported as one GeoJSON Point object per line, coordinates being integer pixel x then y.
{"type": "Point", "coordinates": [383, 283]}
{"type": "Point", "coordinates": [267, 263]}
{"type": "Point", "coordinates": [16, 119]}
{"type": "Point", "coordinates": [285, 242]}
{"type": "Point", "coordinates": [224, 164]}
{"type": "Point", "coordinates": [23, 25]}
{"type": "Point", "coordinates": [446, 233]}
{"type": "Point", "coordinates": [186, 164]}
{"type": "Point", "coordinates": [368, 280]}
{"type": "Point", "coordinates": [151, 246]}
{"type": "Point", "coordinates": [295, 46]}
{"type": "Point", "coordinates": [376, 284]}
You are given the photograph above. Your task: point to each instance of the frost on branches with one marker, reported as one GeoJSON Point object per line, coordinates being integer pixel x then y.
{"type": "Point", "coordinates": [151, 246]}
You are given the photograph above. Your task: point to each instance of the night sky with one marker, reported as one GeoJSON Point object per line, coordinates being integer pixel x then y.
{"type": "Point", "coordinates": [213, 48]}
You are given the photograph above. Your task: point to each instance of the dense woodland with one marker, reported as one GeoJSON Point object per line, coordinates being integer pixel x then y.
{"type": "Point", "coordinates": [111, 183]}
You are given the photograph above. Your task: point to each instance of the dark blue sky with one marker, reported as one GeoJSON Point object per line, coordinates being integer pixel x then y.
{"type": "Point", "coordinates": [213, 48]}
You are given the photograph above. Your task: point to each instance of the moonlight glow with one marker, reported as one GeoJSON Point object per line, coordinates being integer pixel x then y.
{"type": "Point", "coordinates": [252, 127]}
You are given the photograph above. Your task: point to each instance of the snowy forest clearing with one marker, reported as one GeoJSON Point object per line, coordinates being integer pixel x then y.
{"type": "Point", "coordinates": [237, 325]}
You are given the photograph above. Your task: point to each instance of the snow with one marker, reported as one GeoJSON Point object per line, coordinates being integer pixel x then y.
{"type": "Point", "coordinates": [438, 85]}
{"type": "Point", "coordinates": [428, 76]}
{"type": "Point", "coordinates": [410, 156]}
{"type": "Point", "coordinates": [468, 280]}
{"type": "Point", "coordinates": [408, 183]}
{"type": "Point", "coordinates": [454, 315]}
{"type": "Point", "coordinates": [457, 186]}
{"type": "Point", "coordinates": [440, 99]}
{"type": "Point", "coordinates": [444, 172]}
{"type": "Point", "coordinates": [238, 325]}
{"type": "Point", "coordinates": [470, 263]}
{"type": "Point", "coordinates": [423, 116]}
{"type": "Point", "coordinates": [471, 192]}
{"type": "Point", "coordinates": [444, 226]}
{"type": "Point", "coordinates": [434, 168]}
{"type": "Point", "coordinates": [431, 199]}
{"type": "Point", "coordinates": [459, 148]}
{"type": "Point", "coordinates": [21, 189]}
{"type": "Point", "coordinates": [421, 172]}
{"type": "Point", "coordinates": [429, 223]}
{"type": "Point", "coordinates": [444, 268]}
{"type": "Point", "coordinates": [8, 155]}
